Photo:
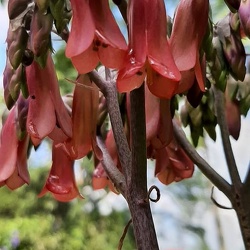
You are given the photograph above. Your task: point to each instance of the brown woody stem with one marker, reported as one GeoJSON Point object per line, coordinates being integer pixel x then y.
{"type": "Point", "coordinates": [108, 89]}
{"type": "Point", "coordinates": [112, 171]}
{"type": "Point", "coordinates": [221, 119]}
{"type": "Point", "coordinates": [137, 195]}
{"type": "Point", "coordinates": [205, 168]}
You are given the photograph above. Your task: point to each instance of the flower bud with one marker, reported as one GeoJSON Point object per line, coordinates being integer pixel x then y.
{"type": "Point", "coordinates": [42, 5]}
{"type": "Point", "coordinates": [60, 13]}
{"type": "Point", "coordinates": [16, 7]}
{"type": "Point", "coordinates": [15, 83]}
{"type": "Point", "coordinates": [233, 48]}
{"type": "Point", "coordinates": [244, 14]}
{"type": "Point", "coordinates": [41, 26]}
{"type": "Point", "coordinates": [22, 113]}
{"type": "Point", "coordinates": [234, 52]}
{"type": "Point", "coordinates": [17, 42]}
{"type": "Point", "coordinates": [218, 66]}
{"type": "Point", "coordinates": [7, 74]}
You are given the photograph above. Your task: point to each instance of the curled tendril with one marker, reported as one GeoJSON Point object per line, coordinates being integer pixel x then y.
{"type": "Point", "coordinates": [158, 194]}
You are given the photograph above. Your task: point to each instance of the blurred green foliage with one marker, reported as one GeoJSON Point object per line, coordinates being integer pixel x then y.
{"type": "Point", "coordinates": [28, 222]}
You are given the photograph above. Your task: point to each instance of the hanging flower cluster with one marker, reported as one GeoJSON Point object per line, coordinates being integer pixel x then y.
{"type": "Point", "coordinates": [169, 61]}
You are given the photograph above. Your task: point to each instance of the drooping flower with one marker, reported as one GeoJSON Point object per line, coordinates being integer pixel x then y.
{"type": "Point", "coordinates": [233, 115]}
{"type": "Point", "coordinates": [152, 55]}
{"type": "Point", "coordinates": [149, 51]}
{"type": "Point", "coordinates": [188, 30]}
{"type": "Point", "coordinates": [159, 128]}
{"type": "Point", "coordinates": [94, 36]}
{"type": "Point", "coordinates": [13, 154]}
{"type": "Point", "coordinates": [61, 180]}
{"type": "Point", "coordinates": [191, 16]}
{"type": "Point", "coordinates": [84, 118]}
{"type": "Point", "coordinates": [47, 113]}
{"type": "Point", "coordinates": [172, 164]}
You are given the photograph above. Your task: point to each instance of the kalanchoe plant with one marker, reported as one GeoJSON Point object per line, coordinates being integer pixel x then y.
{"type": "Point", "coordinates": [186, 60]}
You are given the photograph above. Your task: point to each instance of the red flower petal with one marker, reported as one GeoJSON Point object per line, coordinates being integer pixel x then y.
{"type": "Point", "coordinates": [164, 133]}
{"type": "Point", "coordinates": [172, 164]}
{"type": "Point", "coordinates": [163, 170]}
{"type": "Point", "coordinates": [160, 86]}
{"type": "Point", "coordinates": [188, 30]}
{"type": "Point", "coordinates": [159, 54]}
{"type": "Point", "coordinates": [46, 107]}
{"type": "Point", "coordinates": [200, 73]}
{"type": "Point", "coordinates": [113, 45]}
{"type": "Point", "coordinates": [187, 81]}
{"type": "Point", "coordinates": [131, 76]}
{"type": "Point", "coordinates": [99, 179]}
{"type": "Point", "coordinates": [152, 112]}
{"type": "Point", "coordinates": [61, 181]}
{"type": "Point", "coordinates": [86, 61]}
{"type": "Point", "coordinates": [41, 118]}
{"type": "Point", "coordinates": [181, 163]}
{"type": "Point", "coordinates": [84, 116]}
{"type": "Point", "coordinates": [21, 175]}
{"type": "Point", "coordinates": [82, 30]}
{"type": "Point", "coordinates": [97, 36]}
{"type": "Point", "coordinates": [8, 146]}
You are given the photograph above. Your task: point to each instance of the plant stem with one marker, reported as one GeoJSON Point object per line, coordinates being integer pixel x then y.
{"type": "Point", "coordinates": [112, 171]}
{"type": "Point", "coordinates": [240, 191]}
{"type": "Point", "coordinates": [108, 89]}
{"type": "Point", "coordinates": [134, 164]}
{"type": "Point", "coordinates": [221, 119]}
{"type": "Point", "coordinates": [205, 168]}
{"type": "Point", "coordinates": [137, 181]}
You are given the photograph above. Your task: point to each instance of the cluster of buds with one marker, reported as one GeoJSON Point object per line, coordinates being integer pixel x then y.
{"type": "Point", "coordinates": [226, 58]}
{"type": "Point", "coordinates": [202, 116]}
{"type": "Point", "coordinates": [227, 53]}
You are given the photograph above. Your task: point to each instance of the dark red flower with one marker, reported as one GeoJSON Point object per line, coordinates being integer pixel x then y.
{"type": "Point", "coordinates": [172, 164]}
{"type": "Point", "coordinates": [13, 154]}
{"type": "Point", "coordinates": [94, 36]}
{"type": "Point", "coordinates": [149, 51]}
{"type": "Point", "coordinates": [151, 54]}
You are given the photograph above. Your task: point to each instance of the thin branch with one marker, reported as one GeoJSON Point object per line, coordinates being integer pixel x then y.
{"type": "Point", "coordinates": [109, 91]}
{"type": "Point", "coordinates": [138, 172]}
{"type": "Point", "coordinates": [205, 168]}
{"type": "Point", "coordinates": [112, 171]}
{"type": "Point", "coordinates": [137, 194]}
{"type": "Point", "coordinates": [221, 119]}
{"type": "Point", "coordinates": [99, 81]}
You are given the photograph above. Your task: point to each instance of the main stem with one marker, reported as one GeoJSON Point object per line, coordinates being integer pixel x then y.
{"type": "Point", "coordinates": [134, 163]}
{"type": "Point", "coordinates": [137, 194]}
